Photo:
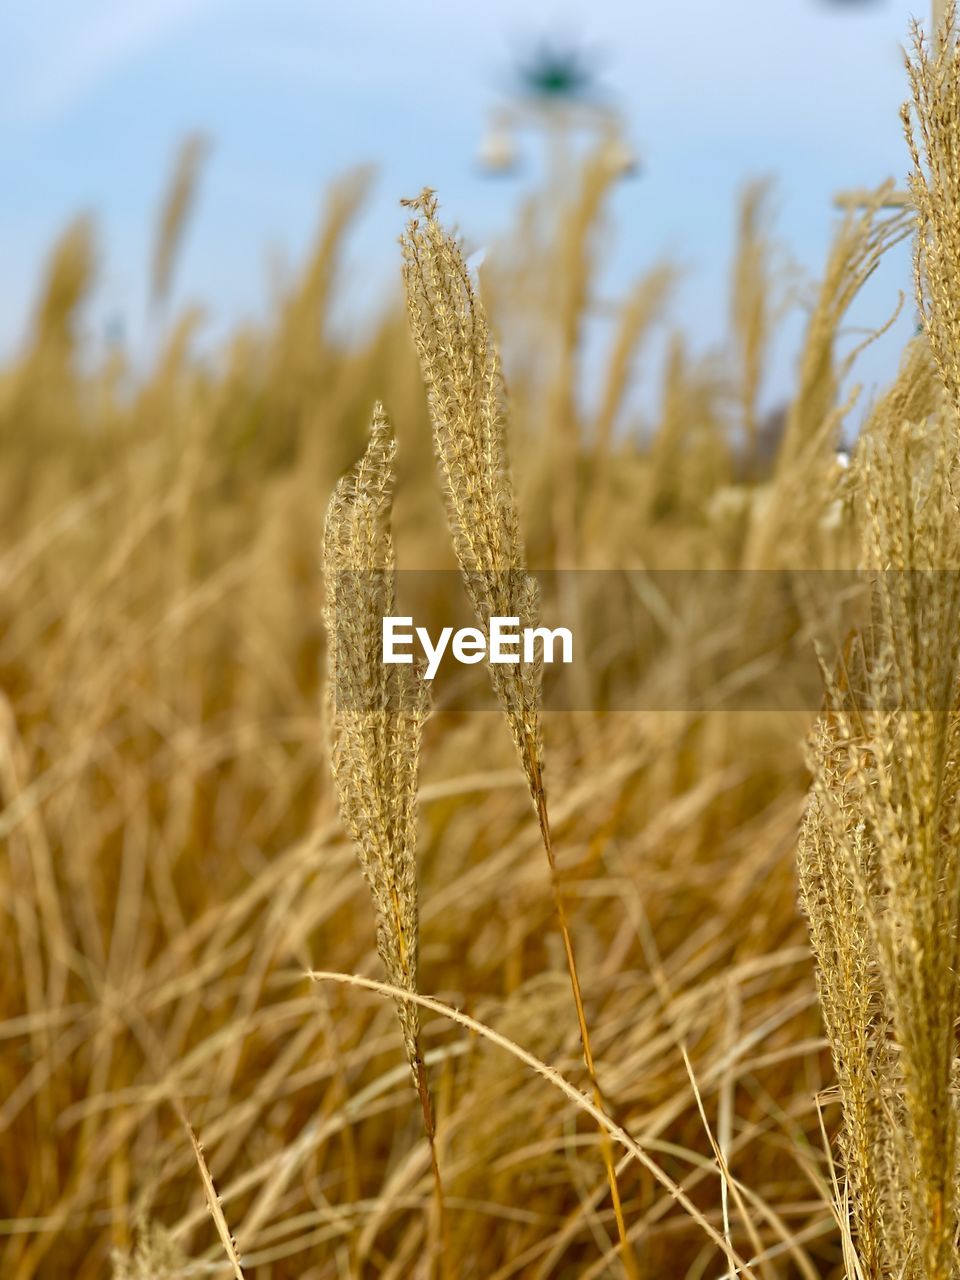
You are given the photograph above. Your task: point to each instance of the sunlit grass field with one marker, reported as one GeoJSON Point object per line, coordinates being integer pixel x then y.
{"type": "Point", "coordinates": [174, 867]}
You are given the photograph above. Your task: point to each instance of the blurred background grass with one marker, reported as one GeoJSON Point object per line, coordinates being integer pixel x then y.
{"type": "Point", "coordinates": [171, 860]}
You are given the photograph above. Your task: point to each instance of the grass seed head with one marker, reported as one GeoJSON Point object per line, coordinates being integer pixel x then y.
{"type": "Point", "coordinates": [376, 710]}
{"type": "Point", "coordinates": [931, 122]}
{"type": "Point", "coordinates": [465, 390]}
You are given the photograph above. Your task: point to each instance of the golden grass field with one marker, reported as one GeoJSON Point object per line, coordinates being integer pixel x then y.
{"type": "Point", "coordinates": [175, 868]}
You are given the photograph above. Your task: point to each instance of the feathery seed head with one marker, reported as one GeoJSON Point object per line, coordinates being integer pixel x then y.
{"type": "Point", "coordinates": [376, 710]}
{"type": "Point", "coordinates": [932, 127]}
{"type": "Point", "coordinates": [465, 389]}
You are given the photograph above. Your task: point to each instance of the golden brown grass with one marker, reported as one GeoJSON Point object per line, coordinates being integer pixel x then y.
{"type": "Point", "coordinates": [753, 307]}
{"type": "Point", "coordinates": [880, 845]}
{"type": "Point", "coordinates": [879, 868]}
{"type": "Point", "coordinates": [930, 124]}
{"type": "Point", "coordinates": [376, 716]}
{"type": "Point", "coordinates": [175, 213]}
{"type": "Point", "coordinates": [176, 859]}
{"type": "Point", "coordinates": [461, 369]}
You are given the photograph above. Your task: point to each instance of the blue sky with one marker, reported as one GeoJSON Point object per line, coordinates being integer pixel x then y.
{"type": "Point", "coordinates": [94, 98]}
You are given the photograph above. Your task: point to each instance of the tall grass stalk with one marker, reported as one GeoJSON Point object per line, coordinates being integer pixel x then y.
{"type": "Point", "coordinates": [376, 713]}
{"type": "Point", "coordinates": [880, 846]}
{"type": "Point", "coordinates": [461, 369]}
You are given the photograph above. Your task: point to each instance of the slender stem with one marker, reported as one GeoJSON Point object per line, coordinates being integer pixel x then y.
{"type": "Point", "coordinates": [429, 1126]}
{"type": "Point", "coordinates": [540, 800]}
{"type": "Point", "coordinates": [426, 1105]}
